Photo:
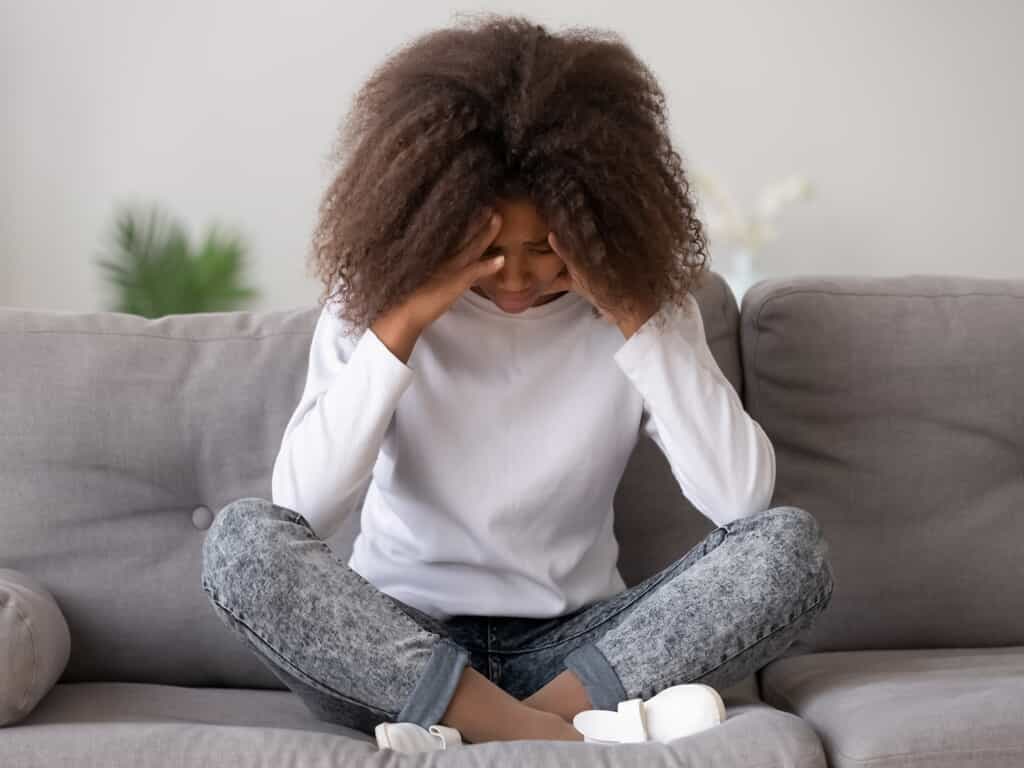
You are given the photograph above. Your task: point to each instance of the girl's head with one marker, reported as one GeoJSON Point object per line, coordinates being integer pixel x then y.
{"type": "Point", "coordinates": [531, 265]}
{"type": "Point", "coordinates": [566, 132]}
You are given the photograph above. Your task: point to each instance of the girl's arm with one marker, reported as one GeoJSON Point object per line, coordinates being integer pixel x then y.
{"type": "Point", "coordinates": [721, 457]}
{"type": "Point", "coordinates": [333, 437]}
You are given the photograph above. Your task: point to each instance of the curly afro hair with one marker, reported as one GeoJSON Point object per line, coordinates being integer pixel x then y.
{"type": "Point", "coordinates": [498, 107]}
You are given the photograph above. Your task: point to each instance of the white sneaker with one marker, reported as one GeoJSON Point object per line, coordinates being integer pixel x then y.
{"type": "Point", "coordinates": [681, 710]}
{"type": "Point", "coordinates": [410, 737]}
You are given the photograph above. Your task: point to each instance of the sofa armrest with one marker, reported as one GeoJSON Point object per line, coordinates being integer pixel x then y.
{"type": "Point", "coordinates": [35, 644]}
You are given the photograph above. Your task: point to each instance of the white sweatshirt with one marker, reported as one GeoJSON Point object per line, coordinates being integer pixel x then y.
{"type": "Point", "coordinates": [490, 460]}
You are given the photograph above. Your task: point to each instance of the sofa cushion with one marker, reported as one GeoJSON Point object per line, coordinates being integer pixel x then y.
{"type": "Point", "coordinates": [128, 725]}
{"type": "Point", "coordinates": [941, 708]}
{"type": "Point", "coordinates": [129, 434]}
{"type": "Point", "coordinates": [34, 644]}
{"type": "Point", "coordinates": [895, 408]}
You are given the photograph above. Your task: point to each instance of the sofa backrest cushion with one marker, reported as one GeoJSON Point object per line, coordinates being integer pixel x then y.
{"type": "Point", "coordinates": [896, 409]}
{"type": "Point", "coordinates": [122, 436]}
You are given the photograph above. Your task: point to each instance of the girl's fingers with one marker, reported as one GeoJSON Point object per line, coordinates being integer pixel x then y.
{"type": "Point", "coordinates": [485, 236]}
{"type": "Point", "coordinates": [483, 232]}
{"type": "Point", "coordinates": [556, 246]}
{"type": "Point", "coordinates": [567, 258]}
{"type": "Point", "coordinates": [484, 267]}
{"type": "Point", "coordinates": [576, 283]}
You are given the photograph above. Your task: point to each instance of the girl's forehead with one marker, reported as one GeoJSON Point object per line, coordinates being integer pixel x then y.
{"type": "Point", "coordinates": [519, 212]}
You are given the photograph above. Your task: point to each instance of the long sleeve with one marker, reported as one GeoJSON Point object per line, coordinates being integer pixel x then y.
{"type": "Point", "coordinates": [332, 439]}
{"type": "Point", "coordinates": [721, 457]}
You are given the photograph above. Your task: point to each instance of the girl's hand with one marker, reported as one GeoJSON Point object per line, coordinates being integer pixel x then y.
{"type": "Point", "coordinates": [455, 276]}
{"type": "Point", "coordinates": [627, 318]}
{"type": "Point", "coordinates": [571, 279]}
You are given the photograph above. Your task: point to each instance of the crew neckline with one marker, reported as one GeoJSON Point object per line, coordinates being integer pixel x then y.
{"type": "Point", "coordinates": [565, 301]}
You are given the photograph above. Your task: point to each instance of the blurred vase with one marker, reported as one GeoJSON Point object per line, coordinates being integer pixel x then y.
{"type": "Point", "coordinates": [740, 271]}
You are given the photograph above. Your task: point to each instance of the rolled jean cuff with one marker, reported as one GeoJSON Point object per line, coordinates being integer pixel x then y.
{"type": "Point", "coordinates": [601, 682]}
{"type": "Point", "coordinates": [434, 690]}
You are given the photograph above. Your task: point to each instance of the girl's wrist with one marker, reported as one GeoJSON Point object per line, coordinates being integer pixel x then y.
{"type": "Point", "coordinates": [398, 332]}
{"type": "Point", "coordinates": [630, 324]}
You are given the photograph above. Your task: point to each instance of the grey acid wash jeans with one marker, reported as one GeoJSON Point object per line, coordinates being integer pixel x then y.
{"type": "Point", "coordinates": [357, 656]}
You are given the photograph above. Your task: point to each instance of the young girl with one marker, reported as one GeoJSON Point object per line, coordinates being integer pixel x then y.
{"type": "Point", "coordinates": [509, 251]}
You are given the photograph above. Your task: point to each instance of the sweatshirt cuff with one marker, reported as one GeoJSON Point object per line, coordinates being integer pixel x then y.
{"type": "Point", "coordinates": [631, 354]}
{"type": "Point", "coordinates": [677, 325]}
{"type": "Point", "coordinates": [381, 364]}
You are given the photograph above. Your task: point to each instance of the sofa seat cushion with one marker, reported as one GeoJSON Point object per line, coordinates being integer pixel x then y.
{"type": "Point", "coordinates": [892, 708]}
{"type": "Point", "coordinates": [135, 725]}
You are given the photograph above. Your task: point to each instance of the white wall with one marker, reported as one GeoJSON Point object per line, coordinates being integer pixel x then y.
{"type": "Point", "coordinates": [905, 114]}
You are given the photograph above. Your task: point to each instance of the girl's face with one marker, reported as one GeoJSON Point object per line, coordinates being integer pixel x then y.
{"type": "Point", "coordinates": [530, 263]}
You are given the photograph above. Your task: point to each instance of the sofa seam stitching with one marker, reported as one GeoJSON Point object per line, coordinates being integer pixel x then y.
{"type": "Point", "coordinates": [930, 753]}
{"type": "Point", "coordinates": [153, 335]}
{"type": "Point", "coordinates": [784, 294]}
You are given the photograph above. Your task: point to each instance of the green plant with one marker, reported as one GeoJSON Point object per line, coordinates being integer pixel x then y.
{"type": "Point", "coordinates": [156, 272]}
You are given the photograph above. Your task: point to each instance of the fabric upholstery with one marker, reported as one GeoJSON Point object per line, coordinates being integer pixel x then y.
{"type": "Point", "coordinates": [128, 725]}
{"type": "Point", "coordinates": [895, 709]}
{"type": "Point", "coordinates": [34, 644]}
{"type": "Point", "coordinates": [128, 434]}
{"type": "Point", "coordinates": [895, 409]}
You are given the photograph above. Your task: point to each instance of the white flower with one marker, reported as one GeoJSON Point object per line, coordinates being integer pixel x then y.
{"type": "Point", "coordinates": [727, 224]}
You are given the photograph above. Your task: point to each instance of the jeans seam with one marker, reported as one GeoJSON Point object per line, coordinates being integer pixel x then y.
{"type": "Point", "coordinates": [586, 630]}
{"type": "Point", "coordinates": [300, 673]}
{"type": "Point", "coordinates": [491, 663]}
{"type": "Point", "coordinates": [775, 631]}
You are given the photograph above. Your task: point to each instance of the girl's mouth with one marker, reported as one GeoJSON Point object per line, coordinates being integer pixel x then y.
{"type": "Point", "coordinates": [515, 301]}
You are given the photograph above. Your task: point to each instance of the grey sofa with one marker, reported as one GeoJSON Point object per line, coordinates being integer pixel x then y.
{"type": "Point", "coordinates": [896, 408]}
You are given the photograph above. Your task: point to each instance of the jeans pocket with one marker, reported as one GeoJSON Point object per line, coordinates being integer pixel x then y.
{"type": "Point", "coordinates": [425, 620]}
{"type": "Point", "coordinates": [294, 517]}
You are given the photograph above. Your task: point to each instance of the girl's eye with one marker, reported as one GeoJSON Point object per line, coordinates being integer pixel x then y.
{"type": "Point", "coordinates": [489, 251]}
